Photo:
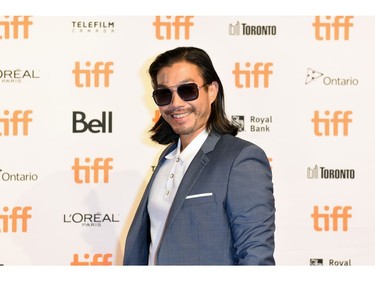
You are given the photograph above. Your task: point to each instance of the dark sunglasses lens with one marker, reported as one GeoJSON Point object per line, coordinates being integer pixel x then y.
{"type": "Point", "coordinates": [188, 92]}
{"type": "Point", "coordinates": [162, 96]}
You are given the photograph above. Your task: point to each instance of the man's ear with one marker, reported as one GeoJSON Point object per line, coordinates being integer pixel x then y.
{"type": "Point", "coordinates": [213, 89]}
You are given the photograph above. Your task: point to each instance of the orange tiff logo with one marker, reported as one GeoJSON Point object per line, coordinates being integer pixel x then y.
{"type": "Point", "coordinates": [247, 76]}
{"type": "Point", "coordinates": [96, 259]}
{"type": "Point", "coordinates": [324, 28]}
{"type": "Point", "coordinates": [100, 169]}
{"type": "Point", "coordinates": [12, 121]}
{"type": "Point", "coordinates": [328, 220]}
{"type": "Point", "coordinates": [18, 216]}
{"type": "Point", "coordinates": [83, 77]}
{"type": "Point", "coordinates": [331, 125]}
{"type": "Point", "coordinates": [11, 27]}
{"type": "Point", "coordinates": [164, 28]}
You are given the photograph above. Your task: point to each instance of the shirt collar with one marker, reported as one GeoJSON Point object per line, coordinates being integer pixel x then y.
{"type": "Point", "coordinates": [190, 150]}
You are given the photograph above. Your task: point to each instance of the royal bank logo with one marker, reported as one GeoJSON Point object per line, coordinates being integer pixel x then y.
{"type": "Point", "coordinates": [313, 75]}
{"type": "Point", "coordinates": [317, 172]}
{"type": "Point", "coordinates": [240, 28]}
{"type": "Point", "coordinates": [316, 262]}
{"type": "Point", "coordinates": [18, 75]}
{"type": "Point", "coordinates": [93, 26]}
{"type": "Point", "coordinates": [331, 262]}
{"type": "Point", "coordinates": [253, 123]}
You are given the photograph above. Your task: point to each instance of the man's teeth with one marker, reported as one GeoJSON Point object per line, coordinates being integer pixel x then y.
{"type": "Point", "coordinates": [180, 115]}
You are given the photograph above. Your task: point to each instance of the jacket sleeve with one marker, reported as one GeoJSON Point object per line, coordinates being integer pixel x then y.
{"type": "Point", "coordinates": [251, 207]}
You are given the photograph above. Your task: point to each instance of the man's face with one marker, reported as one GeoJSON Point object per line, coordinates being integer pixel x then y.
{"type": "Point", "coordinates": [187, 118]}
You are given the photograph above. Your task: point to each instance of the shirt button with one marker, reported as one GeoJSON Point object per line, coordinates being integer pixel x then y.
{"type": "Point", "coordinates": [177, 159]}
{"type": "Point", "coordinates": [172, 175]}
{"type": "Point", "coordinates": [167, 192]}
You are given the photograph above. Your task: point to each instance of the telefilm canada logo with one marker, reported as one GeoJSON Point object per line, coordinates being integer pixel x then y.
{"type": "Point", "coordinates": [317, 172]}
{"type": "Point", "coordinates": [11, 176]}
{"type": "Point", "coordinates": [240, 28]}
{"type": "Point", "coordinates": [316, 76]}
{"type": "Point", "coordinates": [252, 123]}
{"type": "Point", "coordinates": [85, 26]}
{"type": "Point", "coordinates": [91, 219]}
{"type": "Point", "coordinates": [18, 75]}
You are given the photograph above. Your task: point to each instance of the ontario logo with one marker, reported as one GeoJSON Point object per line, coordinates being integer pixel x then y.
{"type": "Point", "coordinates": [8, 176]}
{"type": "Point", "coordinates": [313, 75]}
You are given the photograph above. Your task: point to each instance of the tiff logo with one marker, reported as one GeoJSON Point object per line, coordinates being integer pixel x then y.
{"type": "Point", "coordinates": [10, 123]}
{"type": "Point", "coordinates": [323, 29]}
{"type": "Point", "coordinates": [164, 29]}
{"type": "Point", "coordinates": [18, 216]}
{"type": "Point", "coordinates": [91, 172]}
{"type": "Point", "coordinates": [156, 116]}
{"type": "Point", "coordinates": [11, 28]}
{"type": "Point", "coordinates": [339, 117]}
{"type": "Point", "coordinates": [85, 75]}
{"type": "Point", "coordinates": [96, 259]}
{"type": "Point", "coordinates": [245, 76]}
{"type": "Point", "coordinates": [329, 220]}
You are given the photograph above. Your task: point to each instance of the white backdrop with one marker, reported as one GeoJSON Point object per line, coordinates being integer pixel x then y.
{"type": "Point", "coordinates": [68, 197]}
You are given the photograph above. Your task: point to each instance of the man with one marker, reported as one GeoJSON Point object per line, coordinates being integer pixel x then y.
{"type": "Point", "coordinates": [210, 199]}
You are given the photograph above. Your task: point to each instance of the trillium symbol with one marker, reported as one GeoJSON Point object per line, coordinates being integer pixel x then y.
{"type": "Point", "coordinates": [312, 75]}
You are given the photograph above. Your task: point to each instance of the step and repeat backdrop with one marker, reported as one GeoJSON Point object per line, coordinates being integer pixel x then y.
{"type": "Point", "coordinates": [76, 107]}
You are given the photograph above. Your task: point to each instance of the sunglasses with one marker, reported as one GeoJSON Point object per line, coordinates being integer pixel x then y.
{"type": "Point", "coordinates": [186, 92]}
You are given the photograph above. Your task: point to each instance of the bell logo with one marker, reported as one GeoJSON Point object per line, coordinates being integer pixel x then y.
{"type": "Point", "coordinates": [83, 77]}
{"type": "Point", "coordinates": [11, 29]}
{"type": "Point", "coordinates": [329, 220]}
{"type": "Point", "coordinates": [101, 166]}
{"type": "Point", "coordinates": [16, 217]}
{"type": "Point", "coordinates": [102, 125]}
{"type": "Point", "coordinates": [10, 123]}
{"type": "Point", "coordinates": [245, 77]}
{"type": "Point", "coordinates": [339, 117]}
{"type": "Point", "coordinates": [164, 29]}
{"type": "Point", "coordinates": [323, 29]}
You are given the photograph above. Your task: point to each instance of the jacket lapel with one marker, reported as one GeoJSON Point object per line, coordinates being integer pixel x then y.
{"type": "Point", "coordinates": [191, 175]}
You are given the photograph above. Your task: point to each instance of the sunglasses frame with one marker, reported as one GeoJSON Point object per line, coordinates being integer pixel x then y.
{"type": "Point", "coordinates": [155, 92]}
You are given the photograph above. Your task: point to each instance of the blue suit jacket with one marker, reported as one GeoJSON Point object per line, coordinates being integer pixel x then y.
{"type": "Point", "coordinates": [231, 221]}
